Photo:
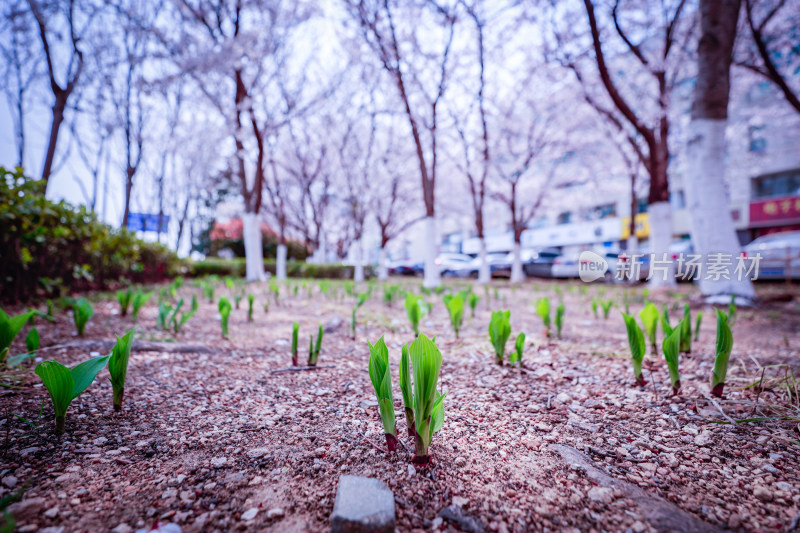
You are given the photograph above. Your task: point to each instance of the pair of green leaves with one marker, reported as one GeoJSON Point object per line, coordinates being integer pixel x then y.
{"type": "Point", "coordinates": [9, 329]}
{"type": "Point", "coordinates": [82, 311]}
{"type": "Point", "coordinates": [499, 332]}
{"type": "Point", "coordinates": [314, 349]}
{"type": "Point", "coordinates": [124, 298]}
{"type": "Point", "coordinates": [519, 347]}
{"type": "Point", "coordinates": [381, 378]}
{"type": "Point", "coordinates": [543, 310]}
{"type": "Point", "coordinates": [637, 346]}
{"type": "Point", "coordinates": [139, 299]}
{"type": "Point", "coordinates": [649, 316]}
{"type": "Point", "coordinates": [416, 309]}
{"type": "Point", "coordinates": [455, 307]}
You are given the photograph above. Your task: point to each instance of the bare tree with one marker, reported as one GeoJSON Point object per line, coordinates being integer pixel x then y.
{"type": "Point", "coordinates": [707, 198]}
{"type": "Point", "coordinates": [48, 20]}
{"type": "Point", "coordinates": [395, 31]}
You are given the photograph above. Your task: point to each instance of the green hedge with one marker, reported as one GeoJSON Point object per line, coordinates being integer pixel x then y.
{"type": "Point", "coordinates": [48, 248]}
{"type": "Point", "coordinates": [294, 269]}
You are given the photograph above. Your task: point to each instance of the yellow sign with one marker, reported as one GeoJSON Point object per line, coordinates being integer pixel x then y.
{"type": "Point", "coordinates": [642, 226]}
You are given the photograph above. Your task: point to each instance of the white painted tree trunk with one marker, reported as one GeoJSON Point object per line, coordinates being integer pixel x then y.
{"type": "Point", "coordinates": [516, 266]}
{"type": "Point", "coordinates": [383, 267]}
{"type": "Point", "coordinates": [633, 245]}
{"type": "Point", "coordinates": [432, 277]}
{"type": "Point", "coordinates": [280, 262]}
{"type": "Point", "coordinates": [660, 216]}
{"type": "Point", "coordinates": [484, 275]}
{"type": "Point", "coordinates": [707, 202]}
{"type": "Point", "coordinates": [358, 271]}
{"type": "Point", "coordinates": [253, 252]}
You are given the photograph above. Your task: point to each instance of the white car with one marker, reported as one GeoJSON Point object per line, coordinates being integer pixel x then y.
{"type": "Point", "coordinates": [780, 255]}
{"type": "Point", "coordinates": [449, 263]}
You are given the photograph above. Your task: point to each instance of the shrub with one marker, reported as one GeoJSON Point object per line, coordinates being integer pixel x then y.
{"type": "Point", "coordinates": [294, 269]}
{"type": "Point", "coordinates": [82, 311]}
{"type": "Point", "coordinates": [118, 367]}
{"type": "Point", "coordinates": [65, 384]}
{"type": "Point", "coordinates": [543, 310]}
{"type": "Point", "coordinates": [224, 307]}
{"type": "Point", "coordinates": [499, 332]}
{"type": "Point", "coordinates": [91, 255]}
{"type": "Point", "coordinates": [381, 379]}
{"type": "Point", "coordinates": [637, 346]}
{"type": "Point", "coordinates": [724, 347]}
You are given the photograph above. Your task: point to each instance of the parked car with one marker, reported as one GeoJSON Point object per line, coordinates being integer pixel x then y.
{"type": "Point", "coordinates": [406, 267]}
{"type": "Point", "coordinates": [502, 268]}
{"type": "Point", "coordinates": [472, 269]}
{"type": "Point", "coordinates": [448, 262]}
{"type": "Point", "coordinates": [780, 255]}
{"type": "Point", "coordinates": [566, 266]}
{"type": "Point", "coordinates": [540, 265]}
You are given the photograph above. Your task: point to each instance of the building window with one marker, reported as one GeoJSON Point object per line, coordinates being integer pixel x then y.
{"type": "Point", "coordinates": [758, 143]}
{"type": "Point", "coordinates": [603, 211]}
{"type": "Point", "coordinates": [564, 218]}
{"type": "Point", "coordinates": [781, 184]}
{"type": "Point", "coordinates": [641, 205]}
{"type": "Point", "coordinates": [678, 200]}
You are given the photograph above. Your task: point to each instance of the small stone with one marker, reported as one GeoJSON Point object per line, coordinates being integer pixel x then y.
{"type": "Point", "coordinates": [52, 529]}
{"type": "Point", "coordinates": [52, 512]}
{"type": "Point", "coordinates": [99, 441]}
{"type": "Point", "coordinates": [784, 486]}
{"type": "Point", "coordinates": [9, 481]}
{"type": "Point", "coordinates": [362, 504]}
{"type": "Point", "coordinates": [769, 468]}
{"type": "Point", "coordinates": [461, 461]}
{"type": "Point", "coordinates": [465, 522]}
{"type": "Point", "coordinates": [250, 514]}
{"type": "Point", "coordinates": [638, 527]}
{"type": "Point", "coordinates": [762, 493]}
{"type": "Point", "coordinates": [703, 439]}
{"type": "Point", "coordinates": [219, 462]}
{"type": "Point", "coordinates": [256, 453]}
{"type": "Point", "coordinates": [460, 501]}
{"type": "Point", "coordinates": [122, 528]}
{"type": "Point", "coordinates": [256, 481]}
{"type": "Point", "coordinates": [601, 494]}
{"type": "Point", "coordinates": [276, 512]}
{"type": "Point", "coordinates": [411, 471]}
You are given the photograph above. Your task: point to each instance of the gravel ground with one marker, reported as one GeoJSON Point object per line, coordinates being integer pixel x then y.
{"type": "Point", "coordinates": [220, 442]}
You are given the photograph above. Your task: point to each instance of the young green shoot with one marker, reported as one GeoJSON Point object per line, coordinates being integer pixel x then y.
{"type": "Point", "coordinates": [594, 307]}
{"type": "Point", "coordinates": [637, 345]}
{"type": "Point", "coordinates": [559, 320]}
{"type": "Point", "coordinates": [697, 323]}
{"type": "Point", "coordinates": [455, 307]}
{"type": "Point", "coordinates": [164, 312]}
{"type": "Point", "coordinates": [177, 323]}
{"type": "Point", "coordinates": [118, 367]}
{"type": "Point", "coordinates": [224, 307]}
{"type": "Point", "coordinates": [472, 300]}
{"type": "Point", "coordinates": [9, 329]}
{"type": "Point", "coordinates": [295, 331]}
{"type": "Point", "coordinates": [124, 299]}
{"type": "Point", "coordinates": [499, 332]}
{"type": "Point", "coordinates": [649, 318]}
{"type": "Point", "coordinates": [250, 300]}
{"type": "Point", "coordinates": [543, 310]}
{"type": "Point", "coordinates": [139, 299]}
{"type": "Point", "coordinates": [416, 309]}
{"type": "Point", "coordinates": [671, 348]}
{"type": "Point", "coordinates": [606, 305]}
{"type": "Point", "coordinates": [361, 299]}
{"type": "Point", "coordinates": [314, 348]}
{"type": "Point", "coordinates": [519, 346]}
{"type": "Point", "coordinates": [82, 311]}
{"type": "Point", "coordinates": [732, 310]}
{"type": "Point", "coordinates": [686, 334]}
{"type": "Point", "coordinates": [381, 378]}
{"type": "Point", "coordinates": [65, 384]}
{"type": "Point", "coordinates": [405, 388]}
{"type": "Point", "coordinates": [723, 354]}
{"type": "Point", "coordinates": [426, 362]}
{"type": "Point", "coordinates": [665, 325]}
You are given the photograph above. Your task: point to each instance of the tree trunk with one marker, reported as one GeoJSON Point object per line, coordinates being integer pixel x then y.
{"type": "Point", "coordinates": [484, 274]}
{"type": "Point", "coordinates": [55, 126]}
{"type": "Point", "coordinates": [280, 262]}
{"type": "Point", "coordinates": [128, 188]}
{"type": "Point", "coordinates": [432, 274]}
{"type": "Point", "coordinates": [662, 269]}
{"type": "Point", "coordinates": [516, 266]}
{"type": "Point", "coordinates": [358, 271]}
{"type": "Point", "coordinates": [383, 267]}
{"type": "Point", "coordinates": [253, 251]}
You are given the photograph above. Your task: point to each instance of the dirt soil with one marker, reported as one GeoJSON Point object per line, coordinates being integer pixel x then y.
{"type": "Point", "coordinates": [219, 441]}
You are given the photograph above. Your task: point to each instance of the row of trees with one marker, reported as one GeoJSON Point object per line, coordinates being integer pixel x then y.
{"type": "Point", "coordinates": [329, 121]}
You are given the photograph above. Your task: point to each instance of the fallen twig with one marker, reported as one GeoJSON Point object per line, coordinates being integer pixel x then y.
{"type": "Point", "coordinates": [719, 408]}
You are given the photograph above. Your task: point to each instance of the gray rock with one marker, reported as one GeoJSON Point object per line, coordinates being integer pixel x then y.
{"type": "Point", "coordinates": [122, 528]}
{"type": "Point", "coordinates": [10, 481]}
{"type": "Point", "coordinates": [363, 505]}
{"type": "Point", "coordinates": [250, 514]}
{"type": "Point", "coordinates": [465, 522]}
{"type": "Point", "coordinates": [333, 324]}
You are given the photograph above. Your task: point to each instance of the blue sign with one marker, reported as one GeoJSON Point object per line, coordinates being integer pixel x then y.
{"type": "Point", "coordinates": [147, 222]}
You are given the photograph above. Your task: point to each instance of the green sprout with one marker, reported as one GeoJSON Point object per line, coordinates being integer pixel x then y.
{"type": "Point", "coordinates": [426, 361]}
{"type": "Point", "coordinates": [295, 331]}
{"type": "Point", "coordinates": [405, 388]}
{"type": "Point", "coordinates": [32, 342]}
{"type": "Point", "coordinates": [606, 305]}
{"type": "Point", "coordinates": [208, 290]}
{"type": "Point", "coordinates": [229, 282]}
{"type": "Point", "coordinates": [275, 289]}
{"type": "Point", "coordinates": [164, 312]}
{"type": "Point", "coordinates": [637, 345]}
{"type": "Point", "coordinates": [732, 310]}
{"type": "Point", "coordinates": [472, 300]}
{"type": "Point", "coordinates": [543, 310]}
{"type": "Point", "coordinates": [686, 334]}
{"type": "Point", "coordinates": [266, 306]}
{"type": "Point", "coordinates": [649, 317]}
{"type": "Point", "coordinates": [118, 367]}
{"type": "Point", "coordinates": [723, 354]}
{"type": "Point", "coordinates": [416, 309]}
{"type": "Point", "coordinates": [139, 299]}
{"type": "Point", "coordinates": [665, 325]}
{"type": "Point", "coordinates": [250, 300]}
{"type": "Point", "coordinates": [499, 332]}
{"type": "Point", "coordinates": [455, 307]}
{"type": "Point", "coordinates": [594, 307]}
{"type": "Point", "coordinates": [381, 378]}
{"type": "Point", "coordinates": [82, 311]}
{"type": "Point", "coordinates": [237, 299]}
{"type": "Point", "coordinates": [9, 329]}
{"type": "Point", "coordinates": [177, 323]}
{"type": "Point", "coordinates": [519, 346]}
{"type": "Point", "coordinates": [390, 294]}
{"type": "Point", "coordinates": [671, 348]}
{"type": "Point", "coordinates": [224, 307]}
{"type": "Point", "coordinates": [697, 323]}
{"type": "Point", "coordinates": [314, 348]}
{"type": "Point", "coordinates": [124, 299]}
{"type": "Point", "coordinates": [65, 384]}
{"type": "Point", "coordinates": [559, 320]}
{"type": "Point", "coordinates": [361, 299]}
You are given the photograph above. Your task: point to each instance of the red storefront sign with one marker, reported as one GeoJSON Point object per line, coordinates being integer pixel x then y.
{"type": "Point", "coordinates": [775, 211]}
